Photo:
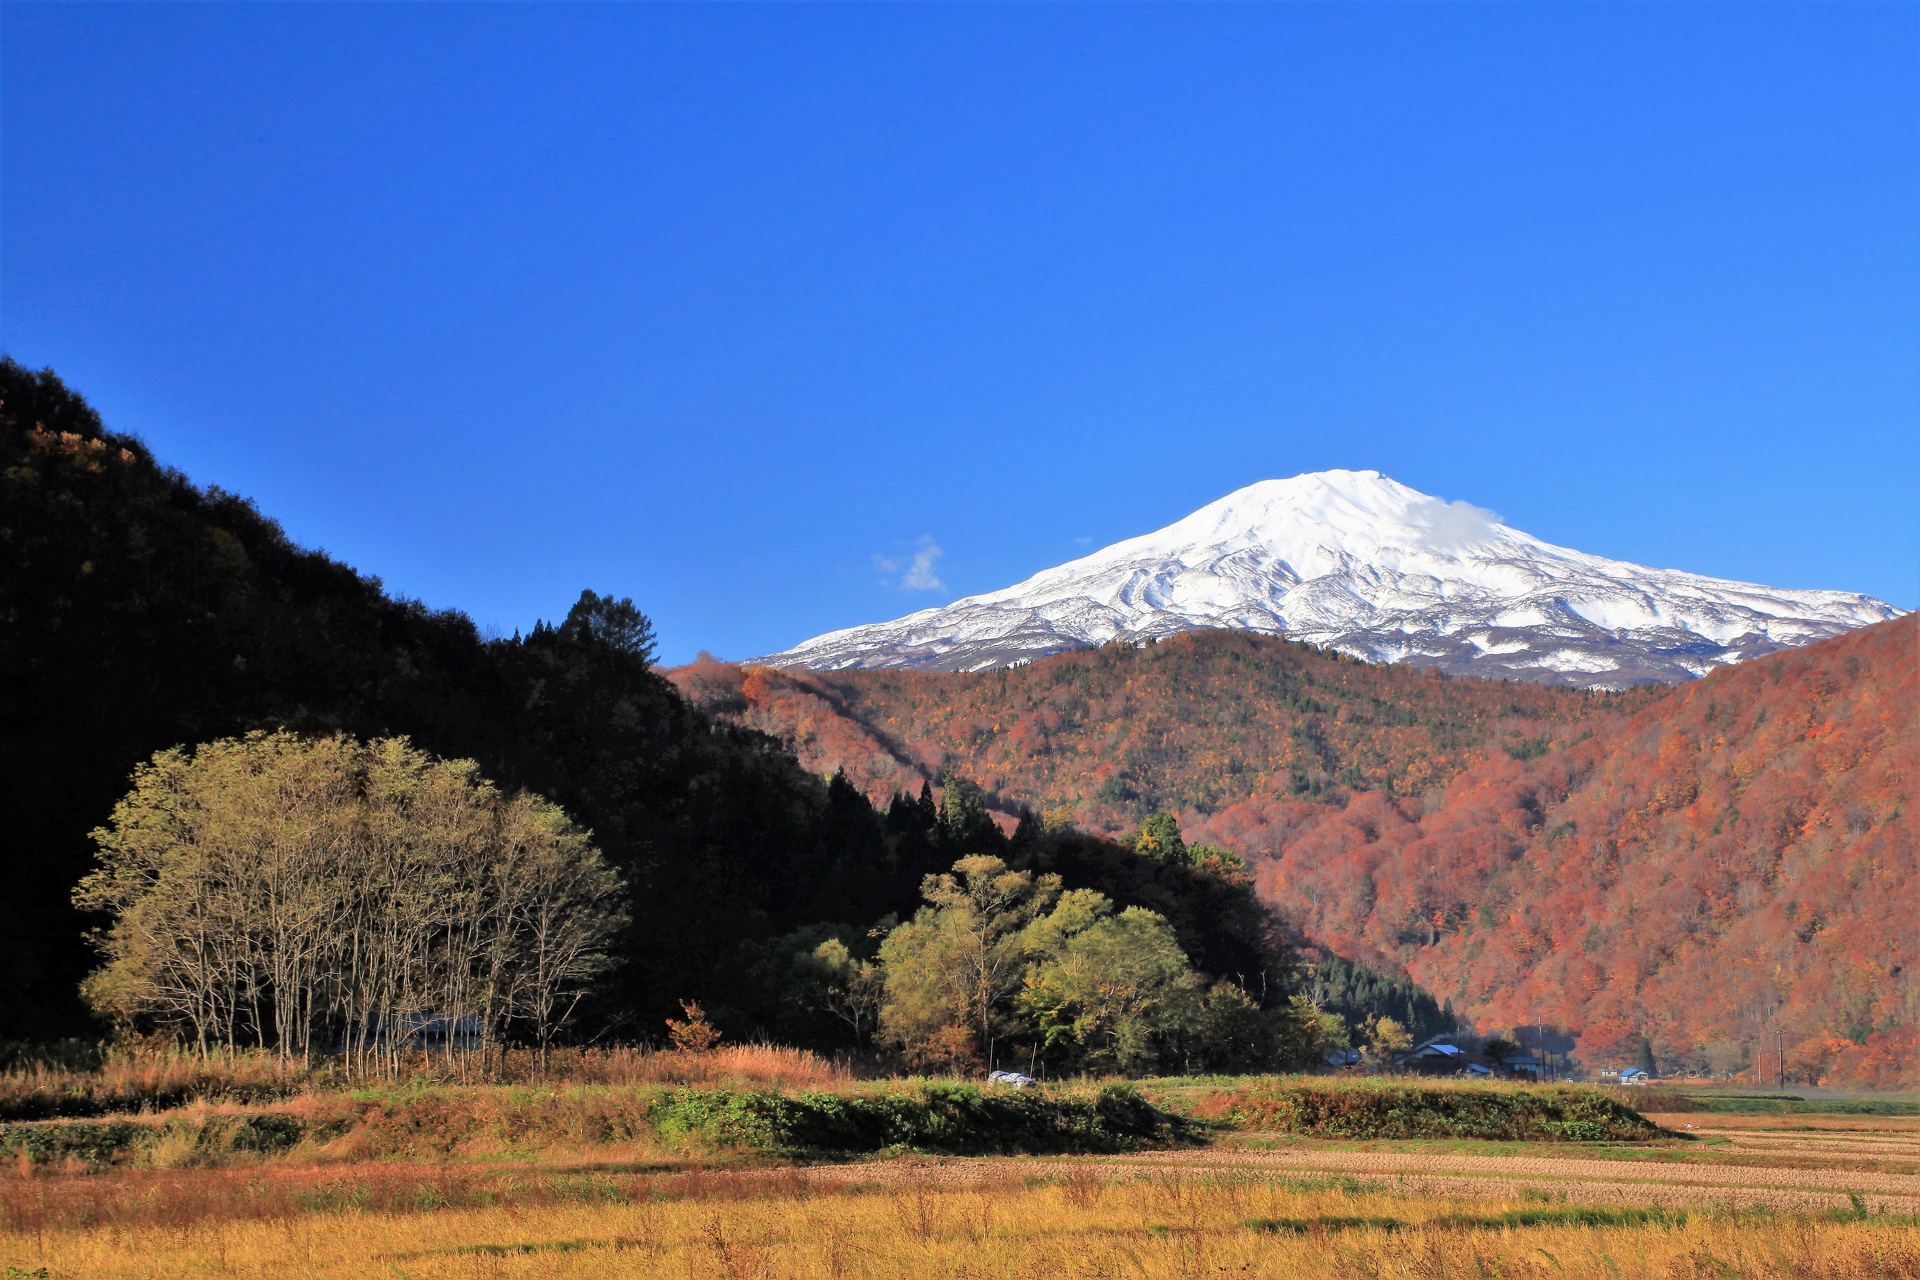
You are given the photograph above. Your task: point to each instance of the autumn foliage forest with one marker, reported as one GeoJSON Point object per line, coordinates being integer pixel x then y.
{"type": "Point", "coordinates": [1730, 872]}
{"type": "Point", "coordinates": [1726, 870]}
{"type": "Point", "coordinates": [1105, 737]}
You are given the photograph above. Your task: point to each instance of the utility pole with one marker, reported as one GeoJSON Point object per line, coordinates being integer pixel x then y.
{"type": "Point", "coordinates": [1780, 1045]}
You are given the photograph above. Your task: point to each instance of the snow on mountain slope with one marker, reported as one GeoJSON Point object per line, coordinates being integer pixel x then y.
{"type": "Point", "coordinates": [1354, 561]}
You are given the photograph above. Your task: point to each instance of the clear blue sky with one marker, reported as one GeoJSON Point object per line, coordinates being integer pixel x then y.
{"type": "Point", "coordinates": [722, 307]}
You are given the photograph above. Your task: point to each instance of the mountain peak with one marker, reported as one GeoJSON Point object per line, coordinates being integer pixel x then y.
{"type": "Point", "coordinates": [1364, 508]}
{"type": "Point", "coordinates": [1357, 561]}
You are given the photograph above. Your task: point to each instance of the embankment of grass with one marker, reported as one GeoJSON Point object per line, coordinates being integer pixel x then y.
{"type": "Point", "coordinates": [173, 1141]}
{"type": "Point", "coordinates": [158, 1082]}
{"type": "Point", "coordinates": [93, 1081]}
{"type": "Point", "coordinates": [1712, 1102]}
{"type": "Point", "coordinates": [1368, 1109]}
{"type": "Point", "coordinates": [494, 1122]}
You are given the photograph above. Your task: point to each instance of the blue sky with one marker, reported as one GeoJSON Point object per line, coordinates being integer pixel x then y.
{"type": "Point", "coordinates": [731, 308]}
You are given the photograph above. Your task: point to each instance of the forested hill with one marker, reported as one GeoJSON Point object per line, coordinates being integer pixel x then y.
{"type": "Point", "coordinates": [1738, 859]}
{"type": "Point", "coordinates": [139, 612]}
{"type": "Point", "coordinates": [1191, 724]}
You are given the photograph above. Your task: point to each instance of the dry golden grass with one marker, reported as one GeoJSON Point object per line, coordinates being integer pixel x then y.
{"type": "Point", "coordinates": [144, 1080]}
{"type": "Point", "coordinates": [1684, 1185]}
{"type": "Point", "coordinates": [769, 1065]}
{"type": "Point", "coordinates": [572, 1205]}
{"type": "Point", "coordinates": [137, 1080]}
{"type": "Point", "coordinates": [781, 1226]}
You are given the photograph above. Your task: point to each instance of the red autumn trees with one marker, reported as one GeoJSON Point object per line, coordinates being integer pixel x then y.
{"type": "Point", "coordinates": [1108, 736]}
{"type": "Point", "coordinates": [1727, 869]}
{"type": "Point", "coordinates": [1729, 873]}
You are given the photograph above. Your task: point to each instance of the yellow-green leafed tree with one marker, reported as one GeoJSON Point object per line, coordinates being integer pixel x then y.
{"type": "Point", "coordinates": [952, 970]}
{"type": "Point", "coordinates": [311, 892]}
{"type": "Point", "coordinates": [1120, 991]}
{"type": "Point", "coordinates": [1383, 1038]}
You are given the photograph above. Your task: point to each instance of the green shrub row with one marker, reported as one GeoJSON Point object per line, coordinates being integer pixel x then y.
{"type": "Point", "coordinates": [1378, 1109]}
{"type": "Point", "coordinates": [955, 1119]}
{"type": "Point", "coordinates": [207, 1140]}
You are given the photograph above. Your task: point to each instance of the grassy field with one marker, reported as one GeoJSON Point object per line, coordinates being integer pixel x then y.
{"type": "Point", "coordinates": [736, 1176]}
{"type": "Point", "coordinates": [92, 1083]}
{"type": "Point", "coordinates": [1084, 1219]}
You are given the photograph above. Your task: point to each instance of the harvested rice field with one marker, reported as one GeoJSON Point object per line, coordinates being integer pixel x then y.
{"type": "Point", "coordinates": [1767, 1196]}
{"type": "Point", "coordinates": [1677, 1184]}
{"type": "Point", "coordinates": [1894, 1142]}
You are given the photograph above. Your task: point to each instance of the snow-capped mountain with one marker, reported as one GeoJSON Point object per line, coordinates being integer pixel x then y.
{"type": "Point", "coordinates": [1354, 561]}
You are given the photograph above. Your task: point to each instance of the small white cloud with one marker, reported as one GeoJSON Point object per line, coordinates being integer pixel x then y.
{"type": "Point", "coordinates": [919, 574]}
{"type": "Point", "coordinates": [1452, 526]}
{"type": "Point", "coordinates": [1085, 541]}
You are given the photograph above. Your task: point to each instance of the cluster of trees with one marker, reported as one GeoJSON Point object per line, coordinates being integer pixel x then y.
{"type": "Point", "coordinates": [1055, 950]}
{"type": "Point", "coordinates": [1005, 967]}
{"type": "Point", "coordinates": [883, 975]}
{"type": "Point", "coordinates": [320, 895]}
{"type": "Point", "coordinates": [1365, 998]}
{"type": "Point", "coordinates": [327, 895]}
{"type": "Point", "coordinates": [1191, 724]}
{"type": "Point", "coordinates": [139, 612]}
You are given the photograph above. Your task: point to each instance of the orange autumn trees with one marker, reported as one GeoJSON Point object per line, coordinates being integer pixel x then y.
{"type": "Point", "coordinates": [1105, 737]}
{"type": "Point", "coordinates": [811, 718]}
{"type": "Point", "coordinates": [1729, 873]}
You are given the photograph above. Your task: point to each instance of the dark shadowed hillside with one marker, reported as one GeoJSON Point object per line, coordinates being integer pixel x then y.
{"type": "Point", "coordinates": [139, 611]}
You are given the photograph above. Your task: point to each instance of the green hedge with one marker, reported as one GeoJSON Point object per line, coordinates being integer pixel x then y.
{"type": "Point", "coordinates": [207, 1140]}
{"type": "Point", "coordinates": [956, 1119]}
{"type": "Point", "coordinates": [1388, 1109]}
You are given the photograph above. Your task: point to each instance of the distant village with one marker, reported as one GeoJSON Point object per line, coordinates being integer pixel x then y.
{"type": "Point", "coordinates": [1494, 1060]}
